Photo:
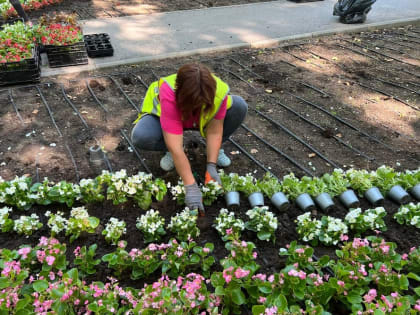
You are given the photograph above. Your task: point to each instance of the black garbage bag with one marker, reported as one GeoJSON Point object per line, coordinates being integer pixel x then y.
{"type": "Point", "coordinates": [353, 11]}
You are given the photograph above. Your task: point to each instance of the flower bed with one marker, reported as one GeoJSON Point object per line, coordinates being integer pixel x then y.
{"type": "Point", "coordinates": [19, 54]}
{"type": "Point", "coordinates": [7, 10]}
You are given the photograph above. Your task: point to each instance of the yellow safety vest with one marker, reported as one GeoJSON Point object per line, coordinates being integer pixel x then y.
{"type": "Point", "coordinates": [151, 104]}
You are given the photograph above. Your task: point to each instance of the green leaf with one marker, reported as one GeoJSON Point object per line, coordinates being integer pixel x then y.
{"type": "Point", "coordinates": [4, 283]}
{"type": "Point", "coordinates": [258, 309]}
{"type": "Point", "coordinates": [263, 235]}
{"type": "Point", "coordinates": [93, 222]}
{"type": "Point", "coordinates": [40, 285]}
{"type": "Point", "coordinates": [219, 290]}
{"type": "Point", "coordinates": [281, 303]}
{"type": "Point", "coordinates": [238, 297]}
{"type": "Point", "coordinates": [354, 298]}
{"type": "Point", "coordinates": [414, 276]}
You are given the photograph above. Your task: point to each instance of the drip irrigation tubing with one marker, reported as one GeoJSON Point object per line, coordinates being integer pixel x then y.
{"type": "Point", "coordinates": [248, 155]}
{"type": "Point", "coordinates": [107, 162]}
{"type": "Point", "coordinates": [315, 89]}
{"type": "Point", "coordinates": [409, 36]}
{"type": "Point", "coordinates": [379, 53]}
{"type": "Point", "coordinates": [410, 73]}
{"type": "Point", "coordinates": [287, 157]}
{"type": "Point", "coordinates": [290, 133]}
{"type": "Point", "coordinates": [246, 68]}
{"type": "Point", "coordinates": [15, 107]}
{"type": "Point", "coordinates": [389, 95]}
{"type": "Point", "coordinates": [136, 152]}
{"type": "Point", "coordinates": [357, 52]}
{"type": "Point", "coordinates": [138, 77]}
{"type": "Point", "coordinates": [73, 161]}
{"type": "Point", "coordinates": [95, 97]}
{"type": "Point", "coordinates": [302, 59]}
{"type": "Point", "coordinates": [74, 107]}
{"type": "Point", "coordinates": [342, 121]}
{"type": "Point", "coordinates": [323, 129]}
{"type": "Point", "coordinates": [415, 84]}
{"type": "Point", "coordinates": [397, 85]}
{"type": "Point", "coordinates": [49, 110]}
{"type": "Point", "coordinates": [123, 92]}
{"type": "Point", "coordinates": [238, 77]}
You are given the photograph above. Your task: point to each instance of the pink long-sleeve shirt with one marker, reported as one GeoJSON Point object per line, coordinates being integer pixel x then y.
{"type": "Point", "coordinates": [171, 117]}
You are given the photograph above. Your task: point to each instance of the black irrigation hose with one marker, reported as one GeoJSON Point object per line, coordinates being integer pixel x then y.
{"type": "Point", "coordinates": [342, 121]}
{"type": "Point", "coordinates": [356, 51]}
{"type": "Point", "coordinates": [415, 84]}
{"type": "Point", "coordinates": [155, 75]}
{"type": "Point", "coordinates": [49, 110]}
{"type": "Point", "coordinates": [327, 269]}
{"type": "Point", "coordinates": [240, 148]}
{"type": "Point", "coordinates": [323, 129]}
{"type": "Point", "coordinates": [389, 95]}
{"type": "Point", "coordinates": [410, 73]}
{"type": "Point", "coordinates": [302, 59]}
{"type": "Point", "coordinates": [290, 133]}
{"type": "Point", "coordinates": [95, 97]}
{"type": "Point", "coordinates": [315, 89]}
{"type": "Point", "coordinates": [14, 106]}
{"type": "Point", "coordinates": [123, 92]}
{"type": "Point", "coordinates": [379, 53]}
{"type": "Point", "coordinates": [107, 162]}
{"type": "Point", "coordinates": [397, 85]}
{"type": "Point", "coordinates": [74, 107]}
{"type": "Point", "coordinates": [287, 157]}
{"type": "Point", "coordinates": [238, 77]}
{"type": "Point", "coordinates": [136, 152]}
{"type": "Point", "coordinates": [409, 36]}
{"type": "Point", "coordinates": [141, 80]}
{"type": "Point", "coordinates": [73, 161]}
{"type": "Point", "coordinates": [246, 68]}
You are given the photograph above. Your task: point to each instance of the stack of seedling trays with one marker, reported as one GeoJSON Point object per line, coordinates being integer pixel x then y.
{"type": "Point", "coordinates": [98, 45]}
{"type": "Point", "coordinates": [24, 71]}
{"type": "Point", "coordinates": [67, 55]}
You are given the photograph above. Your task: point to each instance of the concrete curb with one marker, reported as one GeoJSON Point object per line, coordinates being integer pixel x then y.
{"type": "Point", "coordinates": [346, 28]}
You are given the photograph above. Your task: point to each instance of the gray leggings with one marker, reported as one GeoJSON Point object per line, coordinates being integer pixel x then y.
{"type": "Point", "coordinates": [147, 133]}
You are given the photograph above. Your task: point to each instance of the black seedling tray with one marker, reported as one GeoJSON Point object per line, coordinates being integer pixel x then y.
{"type": "Point", "coordinates": [98, 45]}
{"type": "Point", "coordinates": [24, 71]}
{"type": "Point", "coordinates": [69, 55]}
{"type": "Point", "coordinates": [9, 21]}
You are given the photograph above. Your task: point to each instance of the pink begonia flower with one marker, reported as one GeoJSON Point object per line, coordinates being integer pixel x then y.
{"type": "Point", "coordinates": [344, 237]}
{"type": "Point", "coordinates": [24, 252]}
{"type": "Point", "coordinates": [300, 250]}
{"type": "Point", "coordinates": [76, 252]}
{"type": "Point", "coordinates": [50, 260]}
{"type": "Point", "coordinates": [255, 255]}
{"type": "Point", "coordinates": [262, 299]}
{"type": "Point", "coordinates": [341, 283]}
{"type": "Point", "coordinates": [404, 257]}
{"type": "Point", "coordinates": [394, 294]}
{"type": "Point", "coordinates": [302, 275]}
{"type": "Point", "coordinates": [233, 253]}
{"type": "Point", "coordinates": [228, 278]}
{"type": "Point", "coordinates": [271, 311]}
{"type": "Point", "coordinates": [121, 244]}
{"type": "Point", "coordinates": [293, 273]}
{"type": "Point", "coordinates": [43, 241]}
{"type": "Point", "coordinates": [229, 231]}
{"type": "Point", "coordinates": [241, 273]}
{"type": "Point", "coordinates": [271, 278]}
{"type": "Point", "coordinates": [417, 307]}
{"type": "Point", "coordinates": [206, 250]}
{"type": "Point", "coordinates": [370, 296]}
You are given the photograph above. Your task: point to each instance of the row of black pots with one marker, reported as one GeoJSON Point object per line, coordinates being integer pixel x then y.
{"type": "Point", "coordinates": [324, 200]}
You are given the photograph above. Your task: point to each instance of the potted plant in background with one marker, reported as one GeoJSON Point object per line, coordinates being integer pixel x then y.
{"type": "Point", "coordinates": [388, 182]}
{"type": "Point", "coordinates": [272, 188]}
{"type": "Point", "coordinates": [339, 185]}
{"type": "Point", "coordinates": [362, 181]}
{"type": "Point", "coordinates": [230, 183]}
{"type": "Point", "coordinates": [249, 186]}
{"type": "Point", "coordinates": [319, 190]}
{"type": "Point", "coordinates": [410, 180]}
{"type": "Point", "coordinates": [297, 190]}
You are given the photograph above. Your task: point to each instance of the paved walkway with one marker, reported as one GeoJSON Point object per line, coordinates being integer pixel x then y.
{"type": "Point", "coordinates": [146, 37]}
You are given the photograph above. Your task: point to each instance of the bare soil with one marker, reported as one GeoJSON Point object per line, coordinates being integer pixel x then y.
{"type": "Point", "coordinates": [341, 80]}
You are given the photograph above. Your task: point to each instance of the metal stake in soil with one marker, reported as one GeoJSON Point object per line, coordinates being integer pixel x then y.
{"type": "Point", "coordinates": [290, 159]}
{"type": "Point", "coordinates": [135, 151]}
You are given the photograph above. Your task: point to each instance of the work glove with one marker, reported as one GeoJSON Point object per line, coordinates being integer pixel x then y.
{"type": "Point", "coordinates": [194, 198]}
{"type": "Point", "coordinates": [211, 174]}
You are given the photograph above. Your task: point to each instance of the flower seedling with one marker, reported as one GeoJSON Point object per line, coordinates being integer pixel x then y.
{"type": "Point", "coordinates": [152, 225]}
{"type": "Point", "coordinates": [263, 222]}
{"type": "Point", "coordinates": [113, 231]}
{"type": "Point", "coordinates": [184, 225]}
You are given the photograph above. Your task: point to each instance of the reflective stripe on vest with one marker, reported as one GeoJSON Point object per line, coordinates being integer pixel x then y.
{"type": "Point", "coordinates": [151, 104]}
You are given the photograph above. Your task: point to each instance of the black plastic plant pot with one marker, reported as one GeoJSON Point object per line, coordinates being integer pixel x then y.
{"type": "Point", "coordinates": [399, 195]}
{"type": "Point", "coordinates": [415, 191]}
{"type": "Point", "coordinates": [24, 71]}
{"type": "Point", "coordinates": [232, 199]}
{"type": "Point", "coordinates": [305, 202]}
{"type": "Point", "coordinates": [324, 202]}
{"type": "Point", "coordinates": [256, 199]}
{"type": "Point", "coordinates": [280, 201]}
{"type": "Point", "coordinates": [374, 196]}
{"type": "Point", "coordinates": [349, 199]}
